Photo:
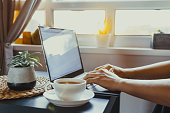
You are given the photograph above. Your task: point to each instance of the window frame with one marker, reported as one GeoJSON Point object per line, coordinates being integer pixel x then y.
{"type": "Point", "coordinates": [110, 8]}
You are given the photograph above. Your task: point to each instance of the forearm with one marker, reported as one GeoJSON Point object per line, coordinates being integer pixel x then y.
{"type": "Point", "coordinates": [157, 91]}
{"type": "Point", "coordinates": [155, 71]}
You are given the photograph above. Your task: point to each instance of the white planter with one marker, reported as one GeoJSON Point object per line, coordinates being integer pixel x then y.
{"type": "Point", "coordinates": [21, 78]}
{"type": "Point", "coordinates": [103, 40]}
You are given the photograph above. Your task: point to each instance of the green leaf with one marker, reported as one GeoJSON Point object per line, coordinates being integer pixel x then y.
{"type": "Point", "coordinates": [39, 64]}
{"type": "Point", "coordinates": [37, 59]}
{"type": "Point", "coordinates": [34, 53]}
{"type": "Point", "coordinates": [161, 32]}
{"type": "Point", "coordinates": [24, 59]}
{"type": "Point", "coordinates": [36, 65]}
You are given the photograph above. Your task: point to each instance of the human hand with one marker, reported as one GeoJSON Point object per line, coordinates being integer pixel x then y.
{"type": "Point", "coordinates": [104, 78]}
{"type": "Point", "coordinates": [106, 66]}
{"type": "Point", "coordinates": [114, 69]}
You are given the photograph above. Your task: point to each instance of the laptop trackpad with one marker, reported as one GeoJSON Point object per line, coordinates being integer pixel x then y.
{"type": "Point", "coordinates": [95, 87]}
{"type": "Point", "coordinates": [98, 89]}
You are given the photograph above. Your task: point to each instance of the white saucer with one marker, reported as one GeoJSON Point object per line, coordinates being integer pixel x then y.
{"type": "Point", "coordinates": [51, 97]}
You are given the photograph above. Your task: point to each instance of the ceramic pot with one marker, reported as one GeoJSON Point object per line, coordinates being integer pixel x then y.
{"type": "Point", "coordinates": [21, 78]}
{"type": "Point", "coordinates": [161, 41]}
{"type": "Point", "coordinates": [103, 40]}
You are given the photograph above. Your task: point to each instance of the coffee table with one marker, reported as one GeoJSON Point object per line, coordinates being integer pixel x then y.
{"type": "Point", "coordinates": [39, 104]}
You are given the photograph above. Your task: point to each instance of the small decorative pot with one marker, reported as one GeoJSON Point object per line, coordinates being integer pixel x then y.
{"type": "Point", "coordinates": [161, 41]}
{"type": "Point", "coordinates": [103, 40]}
{"type": "Point", "coordinates": [21, 78]}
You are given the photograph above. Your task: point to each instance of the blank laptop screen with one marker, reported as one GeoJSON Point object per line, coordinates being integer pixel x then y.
{"type": "Point", "coordinates": [61, 51]}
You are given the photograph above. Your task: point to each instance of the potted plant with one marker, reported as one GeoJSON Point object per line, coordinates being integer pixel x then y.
{"type": "Point", "coordinates": [21, 75]}
{"type": "Point", "coordinates": [161, 40]}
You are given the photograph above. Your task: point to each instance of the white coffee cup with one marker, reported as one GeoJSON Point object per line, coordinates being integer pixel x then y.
{"type": "Point", "coordinates": [69, 89]}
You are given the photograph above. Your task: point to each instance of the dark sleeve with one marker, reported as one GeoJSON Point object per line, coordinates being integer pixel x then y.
{"type": "Point", "coordinates": [161, 109]}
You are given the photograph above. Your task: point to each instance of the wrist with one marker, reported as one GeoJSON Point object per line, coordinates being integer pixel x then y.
{"type": "Point", "coordinates": [122, 84]}
{"type": "Point", "coordinates": [120, 71]}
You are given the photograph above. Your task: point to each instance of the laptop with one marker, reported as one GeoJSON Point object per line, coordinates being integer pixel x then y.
{"type": "Point", "coordinates": [63, 59]}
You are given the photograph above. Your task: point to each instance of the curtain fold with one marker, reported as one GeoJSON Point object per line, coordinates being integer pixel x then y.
{"type": "Point", "coordinates": [1, 36]}
{"type": "Point", "coordinates": [10, 31]}
{"type": "Point", "coordinates": [22, 19]}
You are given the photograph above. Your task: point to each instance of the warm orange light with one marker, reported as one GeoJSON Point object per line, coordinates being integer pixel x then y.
{"type": "Point", "coordinates": [16, 13]}
{"type": "Point", "coordinates": [106, 28]}
{"type": "Point", "coordinates": [19, 41]}
{"type": "Point", "coordinates": [26, 37]}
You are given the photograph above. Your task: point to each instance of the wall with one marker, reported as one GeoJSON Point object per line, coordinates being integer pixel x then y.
{"type": "Point", "coordinates": [91, 60]}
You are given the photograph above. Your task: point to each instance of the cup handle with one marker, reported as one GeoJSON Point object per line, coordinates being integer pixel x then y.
{"type": "Point", "coordinates": [49, 84]}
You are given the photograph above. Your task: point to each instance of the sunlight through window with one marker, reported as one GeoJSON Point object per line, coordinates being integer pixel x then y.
{"type": "Point", "coordinates": [83, 22]}
{"type": "Point", "coordinates": [141, 22]}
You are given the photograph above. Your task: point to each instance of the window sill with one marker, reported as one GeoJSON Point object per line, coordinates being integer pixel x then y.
{"type": "Point", "coordinates": [125, 51]}
{"type": "Point", "coordinates": [109, 50]}
{"type": "Point", "coordinates": [24, 47]}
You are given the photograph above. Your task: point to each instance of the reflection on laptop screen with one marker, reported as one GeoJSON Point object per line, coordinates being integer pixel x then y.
{"type": "Point", "coordinates": [61, 50]}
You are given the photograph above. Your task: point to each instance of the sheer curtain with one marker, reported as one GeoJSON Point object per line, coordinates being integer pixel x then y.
{"type": "Point", "coordinates": [9, 30]}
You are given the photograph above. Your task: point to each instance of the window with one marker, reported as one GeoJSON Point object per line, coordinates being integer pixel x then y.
{"type": "Point", "coordinates": [38, 19]}
{"type": "Point", "coordinates": [128, 17]}
{"type": "Point", "coordinates": [83, 22]}
{"type": "Point", "coordinates": [141, 22]}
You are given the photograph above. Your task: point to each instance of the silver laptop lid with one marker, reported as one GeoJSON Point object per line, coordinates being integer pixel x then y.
{"type": "Point", "coordinates": [61, 52]}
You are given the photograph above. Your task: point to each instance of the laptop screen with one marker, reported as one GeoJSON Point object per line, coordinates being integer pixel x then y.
{"type": "Point", "coordinates": [61, 52]}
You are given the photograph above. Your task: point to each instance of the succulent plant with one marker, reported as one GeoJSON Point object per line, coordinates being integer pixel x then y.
{"type": "Point", "coordinates": [160, 32]}
{"type": "Point", "coordinates": [24, 59]}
